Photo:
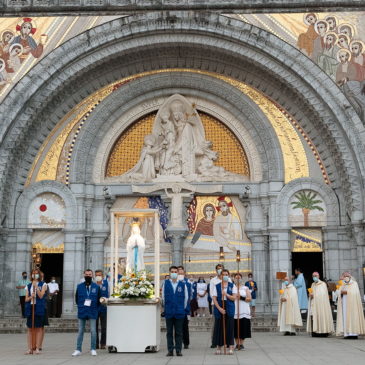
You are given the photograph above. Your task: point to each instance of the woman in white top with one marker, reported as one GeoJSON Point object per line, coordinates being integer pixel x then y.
{"type": "Point", "coordinates": [242, 316]}
{"type": "Point", "coordinates": [202, 296]}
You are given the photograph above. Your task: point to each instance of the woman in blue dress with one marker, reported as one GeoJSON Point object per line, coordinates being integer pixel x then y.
{"type": "Point", "coordinates": [224, 313]}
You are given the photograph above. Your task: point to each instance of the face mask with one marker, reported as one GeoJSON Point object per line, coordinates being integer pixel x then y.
{"type": "Point", "coordinates": [219, 271]}
{"type": "Point", "coordinates": [180, 277]}
{"type": "Point", "coordinates": [315, 279]}
{"type": "Point", "coordinates": [35, 276]}
{"type": "Point", "coordinates": [25, 276]}
{"type": "Point", "coordinates": [87, 279]}
{"type": "Point", "coordinates": [53, 281]}
{"type": "Point", "coordinates": [225, 278]}
{"type": "Point", "coordinates": [200, 280]}
{"type": "Point", "coordinates": [347, 280]}
{"type": "Point", "coordinates": [98, 278]}
{"type": "Point", "coordinates": [173, 275]}
{"type": "Point", "coordinates": [286, 282]}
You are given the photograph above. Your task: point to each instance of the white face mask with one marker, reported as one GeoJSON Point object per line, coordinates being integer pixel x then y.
{"type": "Point", "coordinates": [53, 281]}
{"type": "Point", "coordinates": [98, 278]}
{"type": "Point", "coordinates": [180, 277]}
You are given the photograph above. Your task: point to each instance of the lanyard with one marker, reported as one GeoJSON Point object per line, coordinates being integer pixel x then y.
{"type": "Point", "coordinates": [88, 291]}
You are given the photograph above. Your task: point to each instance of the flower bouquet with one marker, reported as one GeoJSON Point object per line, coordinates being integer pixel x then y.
{"type": "Point", "coordinates": [134, 285]}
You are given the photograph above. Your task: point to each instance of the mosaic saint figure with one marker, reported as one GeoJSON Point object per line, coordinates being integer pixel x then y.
{"type": "Point", "coordinates": [321, 28]}
{"type": "Point", "coordinates": [205, 225]}
{"type": "Point", "coordinates": [346, 71]}
{"type": "Point", "coordinates": [226, 226]}
{"type": "Point", "coordinates": [327, 60]}
{"type": "Point", "coordinates": [26, 28]}
{"type": "Point", "coordinates": [358, 58]}
{"type": "Point", "coordinates": [332, 23]}
{"type": "Point", "coordinates": [306, 40]}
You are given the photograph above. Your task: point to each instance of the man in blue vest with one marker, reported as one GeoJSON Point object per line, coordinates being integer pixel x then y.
{"type": "Point", "coordinates": [181, 277]}
{"type": "Point", "coordinates": [87, 299]}
{"type": "Point", "coordinates": [104, 293]}
{"type": "Point", "coordinates": [175, 298]}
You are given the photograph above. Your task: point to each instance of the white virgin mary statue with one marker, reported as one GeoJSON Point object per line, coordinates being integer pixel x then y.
{"type": "Point", "coordinates": [135, 250]}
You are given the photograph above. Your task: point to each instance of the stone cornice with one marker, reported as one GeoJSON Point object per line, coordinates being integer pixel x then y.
{"type": "Point", "coordinates": [127, 7]}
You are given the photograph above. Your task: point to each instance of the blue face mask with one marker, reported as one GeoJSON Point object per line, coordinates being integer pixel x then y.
{"type": "Point", "coordinates": [225, 278]}
{"type": "Point", "coordinates": [315, 279]}
{"type": "Point", "coordinates": [173, 275]}
{"type": "Point", "coordinates": [286, 282]}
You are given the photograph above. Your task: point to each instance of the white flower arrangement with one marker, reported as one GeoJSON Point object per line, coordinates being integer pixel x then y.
{"type": "Point", "coordinates": [134, 285]}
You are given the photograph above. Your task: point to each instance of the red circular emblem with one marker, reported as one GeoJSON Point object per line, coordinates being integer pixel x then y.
{"type": "Point", "coordinates": [43, 208]}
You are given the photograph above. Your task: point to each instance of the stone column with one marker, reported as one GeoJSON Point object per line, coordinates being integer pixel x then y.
{"type": "Point", "coordinates": [97, 250]}
{"type": "Point", "coordinates": [261, 269]}
{"type": "Point", "coordinates": [73, 267]}
{"type": "Point", "coordinates": [177, 236]}
{"type": "Point", "coordinates": [279, 251]}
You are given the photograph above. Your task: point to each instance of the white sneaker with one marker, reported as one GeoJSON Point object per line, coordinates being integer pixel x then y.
{"type": "Point", "coordinates": [93, 353]}
{"type": "Point", "coordinates": [76, 353]}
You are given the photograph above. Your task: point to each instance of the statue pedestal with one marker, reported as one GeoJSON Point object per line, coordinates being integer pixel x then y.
{"type": "Point", "coordinates": [133, 325]}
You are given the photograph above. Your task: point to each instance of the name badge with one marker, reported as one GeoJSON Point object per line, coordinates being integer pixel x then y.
{"type": "Point", "coordinates": [87, 303]}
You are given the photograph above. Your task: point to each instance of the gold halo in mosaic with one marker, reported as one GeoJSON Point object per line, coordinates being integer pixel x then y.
{"type": "Point", "coordinates": [127, 149]}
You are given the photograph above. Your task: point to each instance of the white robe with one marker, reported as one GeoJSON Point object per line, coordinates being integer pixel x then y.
{"type": "Point", "coordinates": [350, 314]}
{"type": "Point", "coordinates": [135, 240]}
{"type": "Point", "coordinates": [289, 313]}
{"type": "Point", "coordinates": [319, 310]}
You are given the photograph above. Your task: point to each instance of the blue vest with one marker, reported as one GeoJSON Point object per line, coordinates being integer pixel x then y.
{"type": "Point", "coordinates": [40, 304]}
{"type": "Point", "coordinates": [104, 292]}
{"type": "Point", "coordinates": [174, 302]}
{"type": "Point", "coordinates": [83, 311]}
{"type": "Point", "coordinates": [229, 304]}
{"type": "Point", "coordinates": [190, 295]}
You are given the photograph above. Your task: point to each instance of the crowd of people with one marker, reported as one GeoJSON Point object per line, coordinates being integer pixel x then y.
{"type": "Point", "coordinates": [227, 298]}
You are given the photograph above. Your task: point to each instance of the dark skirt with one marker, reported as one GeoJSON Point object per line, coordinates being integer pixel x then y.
{"type": "Point", "coordinates": [38, 321]}
{"type": "Point", "coordinates": [218, 338]}
{"type": "Point", "coordinates": [193, 306]}
{"type": "Point", "coordinates": [245, 328]}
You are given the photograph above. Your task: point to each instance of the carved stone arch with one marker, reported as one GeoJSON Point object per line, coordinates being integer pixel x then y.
{"type": "Point", "coordinates": [277, 68]}
{"type": "Point", "coordinates": [46, 186]}
{"type": "Point", "coordinates": [281, 218]}
{"type": "Point", "coordinates": [123, 107]}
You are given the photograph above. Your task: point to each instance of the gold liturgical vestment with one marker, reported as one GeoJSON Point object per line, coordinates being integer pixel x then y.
{"type": "Point", "coordinates": [290, 308]}
{"type": "Point", "coordinates": [351, 320]}
{"type": "Point", "coordinates": [319, 309]}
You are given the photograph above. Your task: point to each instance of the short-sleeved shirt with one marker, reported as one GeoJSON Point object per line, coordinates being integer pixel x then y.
{"type": "Point", "coordinates": [53, 287]}
{"type": "Point", "coordinates": [22, 282]}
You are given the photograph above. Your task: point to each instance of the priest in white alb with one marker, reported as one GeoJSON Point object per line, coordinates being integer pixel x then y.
{"type": "Point", "coordinates": [289, 313]}
{"type": "Point", "coordinates": [319, 320]}
{"type": "Point", "coordinates": [350, 314]}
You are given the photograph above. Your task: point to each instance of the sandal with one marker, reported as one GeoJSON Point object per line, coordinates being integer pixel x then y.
{"type": "Point", "coordinates": [37, 352]}
{"type": "Point", "coordinates": [28, 352]}
{"type": "Point", "coordinates": [230, 352]}
{"type": "Point", "coordinates": [218, 352]}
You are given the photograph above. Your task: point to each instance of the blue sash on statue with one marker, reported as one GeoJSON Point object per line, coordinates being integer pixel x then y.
{"type": "Point", "coordinates": [135, 258]}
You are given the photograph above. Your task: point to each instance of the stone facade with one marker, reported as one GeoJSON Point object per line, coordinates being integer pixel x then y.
{"type": "Point", "coordinates": [197, 41]}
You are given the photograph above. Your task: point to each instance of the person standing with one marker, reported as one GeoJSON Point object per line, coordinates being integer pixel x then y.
{"type": "Point", "coordinates": [202, 295]}
{"type": "Point", "coordinates": [242, 314]}
{"type": "Point", "coordinates": [175, 298]}
{"type": "Point", "coordinates": [210, 300]}
{"type": "Point", "coordinates": [350, 314]}
{"type": "Point", "coordinates": [319, 320]}
{"type": "Point", "coordinates": [35, 301]}
{"type": "Point", "coordinates": [102, 310]}
{"type": "Point", "coordinates": [53, 290]}
{"type": "Point", "coordinates": [181, 277]}
{"type": "Point", "coordinates": [87, 298]}
{"type": "Point", "coordinates": [252, 285]}
{"type": "Point", "coordinates": [289, 313]}
{"type": "Point", "coordinates": [22, 288]}
{"type": "Point", "coordinates": [299, 283]}
{"type": "Point", "coordinates": [224, 308]}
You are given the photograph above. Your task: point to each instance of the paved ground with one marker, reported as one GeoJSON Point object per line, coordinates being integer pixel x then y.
{"type": "Point", "coordinates": [262, 349]}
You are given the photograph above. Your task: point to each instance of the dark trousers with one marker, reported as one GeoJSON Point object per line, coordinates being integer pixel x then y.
{"type": "Point", "coordinates": [52, 305]}
{"type": "Point", "coordinates": [186, 338]}
{"type": "Point", "coordinates": [177, 325]}
{"type": "Point", "coordinates": [22, 305]}
{"type": "Point", "coordinates": [102, 319]}
{"type": "Point", "coordinates": [210, 307]}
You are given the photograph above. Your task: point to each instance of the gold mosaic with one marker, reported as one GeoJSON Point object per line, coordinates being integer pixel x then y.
{"type": "Point", "coordinates": [127, 149]}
